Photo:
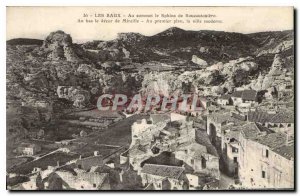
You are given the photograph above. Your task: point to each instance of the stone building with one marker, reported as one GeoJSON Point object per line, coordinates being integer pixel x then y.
{"type": "Point", "coordinates": [28, 149]}
{"type": "Point", "coordinates": [245, 96]}
{"type": "Point", "coordinates": [89, 162]}
{"type": "Point", "coordinates": [196, 156]}
{"type": "Point", "coordinates": [266, 160]}
{"type": "Point", "coordinates": [164, 177]}
{"type": "Point", "coordinates": [281, 121]}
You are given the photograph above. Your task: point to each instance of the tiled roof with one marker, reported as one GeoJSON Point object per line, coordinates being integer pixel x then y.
{"type": "Point", "coordinates": [263, 129]}
{"type": "Point", "coordinates": [239, 116]}
{"type": "Point", "coordinates": [196, 150]}
{"type": "Point", "coordinates": [226, 97]}
{"type": "Point", "coordinates": [286, 151]}
{"type": "Point", "coordinates": [283, 116]}
{"type": "Point", "coordinates": [246, 94]}
{"type": "Point", "coordinates": [250, 131]}
{"type": "Point", "coordinates": [261, 117]}
{"type": "Point", "coordinates": [90, 161]}
{"type": "Point", "coordinates": [203, 139]}
{"type": "Point", "coordinates": [237, 94]}
{"type": "Point", "coordinates": [160, 118]}
{"type": "Point", "coordinates": [249, 95]}
{"type": "Point", "coordinates": [163, 170]}
{"type": "Point", "coordinates": [273, 140]}
{"type": "Point", "coordinates": [220, 117]}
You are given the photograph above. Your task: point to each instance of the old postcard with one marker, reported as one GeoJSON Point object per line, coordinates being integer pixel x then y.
{"type": "Point", "coordinates": [150, 98]}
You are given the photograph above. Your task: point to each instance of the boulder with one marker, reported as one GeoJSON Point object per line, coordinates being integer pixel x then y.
{"type": "Point", "coordinates": [199, 61]}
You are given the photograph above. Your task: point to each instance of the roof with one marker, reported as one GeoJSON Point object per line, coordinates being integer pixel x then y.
{"type": "Point", "coordinates": [163, 170]}
{"type": "Point", "coordinates": [221, 117]}
{"type": "Point", "coordinates": [172, 127]}
{"type": "Point", "coordinates": [196, 150]}
{"type": "Point", "coordinates": [156, 118]}
{"type": "Point", "coordinates": [237, 94]}
{"type": "Point", "coordinates": [276, 141]}
{"type": "Point", "coordinates": [203, 139]}
{"type": "Point", "coordinates": [250, 131]}
{"type": "Point", "coordinates": [94, 177]}
{"type": "Point", "coordinates": [286, 151]}
{"type": "Point", "coordinates": [225, 97]}
{"type": "Point", "coordinates": [246, 94]}
{"type": "Point", "coordinates": [91, 161]}
{"type": "Point", "coordinates": [261, 117]}
{"type": "Point", "coordinates": [138, 150]}
{"type": "Point", "coordinates": [149, 187]}
{"type": "Point", "coordinates": [249, 95]}
{"type": "Point", "coordinates": [264, 129]}
{"type": "Point", "coordinates": [283, 116]}
{"type": "Point", "coordinates": [272, 140]}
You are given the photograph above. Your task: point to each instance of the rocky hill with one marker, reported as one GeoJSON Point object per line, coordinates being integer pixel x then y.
{"type": "Point", "coordinates": [174, 60]}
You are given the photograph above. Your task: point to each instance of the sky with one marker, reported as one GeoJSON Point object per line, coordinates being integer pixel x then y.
{"type": "Point", "coordinates": [38, 22]}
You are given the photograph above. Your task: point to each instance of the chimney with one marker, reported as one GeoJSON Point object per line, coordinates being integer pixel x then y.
{"type": "Point", "coordinates": [57, 163]}
{"type": "Point", "coordinates": [80, 157]}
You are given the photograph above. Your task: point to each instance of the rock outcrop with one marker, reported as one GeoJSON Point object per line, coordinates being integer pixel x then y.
{"type": "Point", "coordinates": [78, 96]}
{"type": "Point", "coordinates": [202, 63]}
{"type": "Point", "coordinates": [60, 46]}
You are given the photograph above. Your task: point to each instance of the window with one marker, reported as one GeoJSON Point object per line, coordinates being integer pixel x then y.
{"type": "Point", "coordinates": [263, 174]}
{"type": "Point", "coordinates": [235, 149]}
{"type": "Point", "coordinates": [281, 125]}
{"type": "Point", "coordinates": [192, 161]}
{"type": "Point", "coordinates": [203, 162]}
{"type": "Point", "coordinates": [235, 159]}
{"type": "Point", "coordinates": [236, 171]}
{"type": "Point", "coordinates": [267, 153]}
{"type": "Point", "coordinates": [94, 185]}
{"type": "Point", "coordinates": [289, 125]}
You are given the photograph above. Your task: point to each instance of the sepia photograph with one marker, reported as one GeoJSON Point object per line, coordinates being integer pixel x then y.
{"type": "Point", "coordinates": [150, 98]}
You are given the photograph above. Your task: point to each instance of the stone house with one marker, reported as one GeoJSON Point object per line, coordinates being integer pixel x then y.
{"type": "Point", "coordinates": [245, 96]}
{"type": "Point", "coordinates": [196, 157]}
{"type": "Point", "coordinates": [224, 100]}
{"type": "Point", "coordinates": [28, 149]}
{"type": "Point", "coordinates": [89, 162]}
{"type": "Point", "coordinates": [282, 121]}
{"type": "Point", "coordinates": [266, 160]}
{"type": "Point", "coordinates": [164, 177]}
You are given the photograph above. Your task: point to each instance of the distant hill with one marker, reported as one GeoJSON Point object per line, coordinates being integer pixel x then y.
{"type": "Point", "coordinates": [173, 46]}
{"type": "Point", "coordinates": [24, 41]}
